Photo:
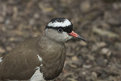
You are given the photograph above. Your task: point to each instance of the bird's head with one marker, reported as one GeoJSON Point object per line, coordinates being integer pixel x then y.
{"type": "Point", "coordinates": [61, 30]}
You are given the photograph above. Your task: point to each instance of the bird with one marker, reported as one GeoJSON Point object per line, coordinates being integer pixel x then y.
{"type": "Point", "coordinates": [41, 58]}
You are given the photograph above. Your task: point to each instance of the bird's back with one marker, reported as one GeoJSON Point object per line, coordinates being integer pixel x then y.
{"type": "Point", "coordinates": [21, 61]}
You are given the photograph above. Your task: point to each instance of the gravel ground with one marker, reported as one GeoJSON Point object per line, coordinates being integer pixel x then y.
{"type": "Point", "coordinates": [99, 21]}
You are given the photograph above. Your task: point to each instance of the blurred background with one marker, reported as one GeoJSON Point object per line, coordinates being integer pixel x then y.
{"type": "Point", "coordinates": [98, 21]}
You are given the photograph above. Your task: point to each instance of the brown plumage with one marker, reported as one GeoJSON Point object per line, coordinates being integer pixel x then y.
{"type": "Point", "coordinates": [24, 59]}
{"type": "Point", "coordinates": [46, 52]}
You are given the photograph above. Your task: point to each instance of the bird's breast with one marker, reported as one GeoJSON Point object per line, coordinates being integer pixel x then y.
{"type": "Point", "coordinates": [53, 61]}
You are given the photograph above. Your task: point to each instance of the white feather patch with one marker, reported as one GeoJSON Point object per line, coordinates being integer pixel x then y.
{"type": "Point", "coordinates": [66, 36]}
{"type": "Point", "coordinates": [37, 76]}
{"type": "Point", "coordinates": [1, 59]}
{"type": "Point", "coordinates": [40, 59]}
{"type": "Point", "coordinates": [62, 24]}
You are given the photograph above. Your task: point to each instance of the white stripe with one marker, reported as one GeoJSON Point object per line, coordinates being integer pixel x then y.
{"type": "Point", "coordinates": [1, 59]}
{"type": "Point", "coordinates": [38, 76]}
{"type": "Point", "coordinates": [62, 24]}
{"type": "Point", "coordinates": [40, 59]}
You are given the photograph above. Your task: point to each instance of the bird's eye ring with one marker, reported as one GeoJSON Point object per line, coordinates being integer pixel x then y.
{"type": "Point", "coordinates": [60, 30]}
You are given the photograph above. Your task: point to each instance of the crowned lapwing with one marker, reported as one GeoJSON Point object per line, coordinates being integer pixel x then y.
{"type": "Point", "coordinates": [41, 58]}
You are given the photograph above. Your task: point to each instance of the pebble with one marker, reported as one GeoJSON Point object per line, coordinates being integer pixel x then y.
{"type": "Point", "coordinates": [100, 44]}
{"type": "Point", "coordinates": [106, 51]}
{"type": "Point", "coordinates": [87, 66]}
{"type": "Point", "coordinates": [118, 45]}
{"type": "Point", "coordinates": [1, 19]}
{"type": "Point", "coordinates": [85, 6]}
{"type": "Point", "coordinates": [94, 74]}
{"type": "Point", "coordinates": [83, 43]}
{"type": "Point", "coordinates": [101, 61]}
{"type": "Point", "coordinates": [74, 58]}
{"type": "Point", "coordinates": [2, 50]}
{"type": "Point", "coordinates": [9, 48]}
{"type": "Point", "coordinates": [103, 32]}
{"type": "Point", "coordinates": [91, 57]}
{"type": "Point", "coordinates": [36, 16]}
{"type": "Point", "coordinates": [113, 19]}
{"type": "Point", "coordinates": [84, 73]}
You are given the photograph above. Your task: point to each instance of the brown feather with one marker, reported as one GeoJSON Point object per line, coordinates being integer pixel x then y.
{"type": "Point", "coordinates": [20, 63]}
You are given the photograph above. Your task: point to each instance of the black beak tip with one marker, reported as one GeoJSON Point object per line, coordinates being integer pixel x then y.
{"type": "Point", "coordinates": [81, 38]}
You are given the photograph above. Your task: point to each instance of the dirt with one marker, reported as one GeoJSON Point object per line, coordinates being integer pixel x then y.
{"type": "Point", "coordinates": [98, 21]}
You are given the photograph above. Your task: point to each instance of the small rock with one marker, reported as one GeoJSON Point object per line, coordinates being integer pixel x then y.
{"type": "Point", "coordinates": [87, 66]}
{"type": "Point", "coordinates": [118, 45]}
{"type": "Point", "coordinates": [12, 39]}
{"type": "Point", "coordinates": [36, 16]}
{"type": "Point", "coordinates": [32, 21]}
{"type": "Point", "coordinates": [84, 73]}
{"type": "Point", "coordinates": [8, 48]}
{"type": "Point", "coordinates": [113, 18]}
{"type": "Point", "coordinates": [107, 33]}
{"type": "Point", "coordinates": [74, 58]}
{"type": "Point", "coordinates": [7, 21]}
{"type": "Point", "coordinates": [1, 19]}
{"type": "Point", "coordinates": [2, 50]}
{"type": "Point", "coordinates": [100, 44]}
{"type": "Point", "coordinates": [91, 57]}
{"type": "Point", "coordinates": [106, 51]}
{"type": "Point", "coordinates": [101, 61]}
{"type": "Point", "coordinates": [73, 66]}
{"type": "Point", "coordinates": [45, 8]}
{"type": "Point", "coordinates": [85, 6]}
{"type": "Point", "coordinates": [94, 74]}
{"type": "Point", "coordinates": [71, 79]}
{"type": "Point", "coordinates": [94, 47]}
{"type": "Point", "coordinates": [83, 43]}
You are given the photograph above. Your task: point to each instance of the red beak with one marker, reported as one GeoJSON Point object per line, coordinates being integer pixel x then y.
{"type": "Point", "coordinates": [73, 34]}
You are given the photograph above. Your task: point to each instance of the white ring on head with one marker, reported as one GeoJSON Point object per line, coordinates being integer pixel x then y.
{"type": "Point", "coordinates": [65, 23]}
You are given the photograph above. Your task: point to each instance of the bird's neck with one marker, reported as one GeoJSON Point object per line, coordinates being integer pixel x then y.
{"type": "Point", "coordinates": [51, 39]}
